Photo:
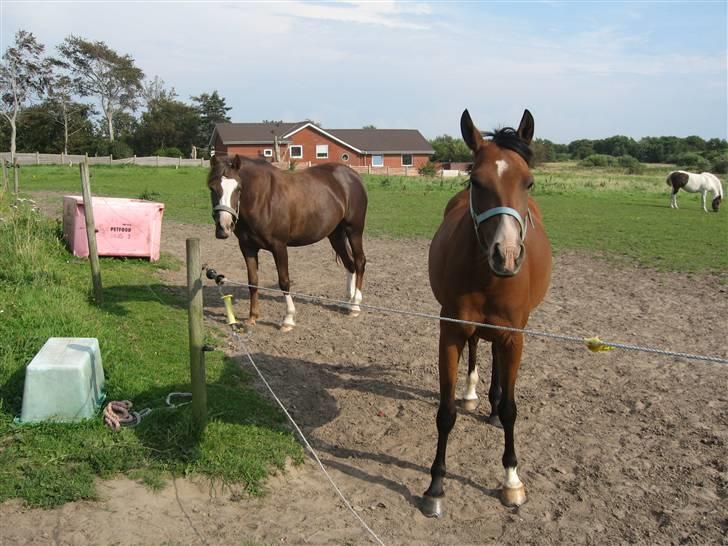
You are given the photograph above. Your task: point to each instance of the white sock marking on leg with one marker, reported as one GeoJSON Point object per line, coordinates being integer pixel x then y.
{"type": "Point", "coordinates": [470, 384]}
{"type": "Point", "coordinates": [511, 481]}
{"type": "Point", "coordinates": [290, 311]}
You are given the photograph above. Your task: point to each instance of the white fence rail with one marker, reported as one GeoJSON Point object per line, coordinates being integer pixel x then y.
{"type": "Point", "coordinates": [35, 158]}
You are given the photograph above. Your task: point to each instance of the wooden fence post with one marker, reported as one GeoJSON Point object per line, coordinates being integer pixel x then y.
{"type": "Point", "coordinates": [16, 176]}
{"type": "Point", "coordinates": [37, 158]}
{"type": "Point", "coordinates": [111, 159]}
{"type": "Point", "coordinates": [5, 175]}
{"type": "Point", "coordinates": [197, 359]}
{"type": "Point", "coordinates": [133, 160]}
{"type": "Point", "coordinates": [157, 161]}
{"type": "Point", "coordinates": [93, 255]}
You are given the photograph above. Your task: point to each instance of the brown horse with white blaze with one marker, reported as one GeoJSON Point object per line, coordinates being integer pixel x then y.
{"type": "Point", "coordinates": [489, 262]}
{"type": "Point", "coordinates": [270, 209]}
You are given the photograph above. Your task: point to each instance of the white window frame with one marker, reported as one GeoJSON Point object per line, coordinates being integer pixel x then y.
{"type": "Point", "coordinates": [322, 154]}
{"type": "Point", "coordinates": [290, 151]}
{"type": "Point", "coordinates": [412, 160]}
{"type": "Point", "coordinates": [380, 164]}
{"type": "Point", "coordinates": [268, 152]}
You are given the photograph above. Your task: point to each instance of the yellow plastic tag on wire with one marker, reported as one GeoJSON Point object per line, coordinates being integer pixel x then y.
{"type": "Point", "coordinates": [596, 345]}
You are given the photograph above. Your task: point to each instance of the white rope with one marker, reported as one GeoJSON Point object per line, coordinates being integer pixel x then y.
{"type": "Point", "coordinates": [536, 333]}
{"type": "Point", "coordinates": [241, 345]}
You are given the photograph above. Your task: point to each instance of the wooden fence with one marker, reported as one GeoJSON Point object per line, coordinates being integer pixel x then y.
{"type": "Point", "coordinates": [36, 158]}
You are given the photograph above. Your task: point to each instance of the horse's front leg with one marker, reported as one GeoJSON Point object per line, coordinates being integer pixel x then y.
{"type": "Point", "coordinates": [280, 255]}
{"type": "Point", "coordinates": [251, 264]}
{"type": "Point", "coordinates": [509, 350]}
{"type": "Point", "coordinates": [452, 341]}
{"type": "Point", "coordinates": [702, 197]}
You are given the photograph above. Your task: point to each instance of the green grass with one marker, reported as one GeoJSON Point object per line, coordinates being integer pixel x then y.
{"type": "Point", "coordinates": [142, 330]}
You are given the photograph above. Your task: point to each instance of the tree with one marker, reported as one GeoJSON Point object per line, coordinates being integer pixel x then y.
{"type": "Point", "coordinates": [212, 109]}
{"type": "Point", "coordinates": [169, 124]}
{"type": "Point", "coordinates": [101, 72]}
{"type": "Point", "coordinates": [23, 75]}
{"type": "Point", "coordinates": [369, 127]}
{"type": "Point", "coordinates": [448, 148]}
{"type": "Point", "coordinates": [43, 128]}
{"type": "Point", "coordinates": [579, 149]}
{"type": "Point", "coordinates": [153, 90]}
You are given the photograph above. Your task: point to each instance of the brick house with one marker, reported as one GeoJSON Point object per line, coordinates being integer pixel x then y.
{"type": "Point", "coordinates": [306, 143]}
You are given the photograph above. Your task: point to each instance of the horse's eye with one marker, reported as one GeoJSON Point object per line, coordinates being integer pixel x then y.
{"type": "Point", "coordinates": [530, 184]}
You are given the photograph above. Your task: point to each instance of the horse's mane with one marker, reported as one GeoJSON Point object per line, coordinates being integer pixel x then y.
{"type": "Point", "coordinates": [507, 137]}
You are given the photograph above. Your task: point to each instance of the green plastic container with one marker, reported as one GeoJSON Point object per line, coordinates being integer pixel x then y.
{"type": "Point", "coordinates": [64, 382]}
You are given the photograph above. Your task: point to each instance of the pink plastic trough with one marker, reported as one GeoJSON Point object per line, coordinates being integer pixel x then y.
{"type": "Point", "coordinates": [124, 227]}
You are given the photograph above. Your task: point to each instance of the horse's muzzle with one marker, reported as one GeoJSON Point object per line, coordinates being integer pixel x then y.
{"type": "Point", "coordinates": [221, 233]}
{"type": "Point", "coordinates": [506, 262]}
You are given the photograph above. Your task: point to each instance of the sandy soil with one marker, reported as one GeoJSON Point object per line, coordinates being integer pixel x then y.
{"type": "Point", "coordinates": [617, 447]}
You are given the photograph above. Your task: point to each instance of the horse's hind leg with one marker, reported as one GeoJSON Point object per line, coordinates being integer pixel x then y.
{"type": "Point", "coordinates": [673, 199]}
{"type": "Point", "coordinates": [338, 242]}
{"type": "Point", "coordinates": [452, 341]}
{"type": "Point", "coordinates": [280, 255]}
{"type": "Point", "coordinates": [470, 399]}
{"type": "Point", "coordinates": [360, 261]}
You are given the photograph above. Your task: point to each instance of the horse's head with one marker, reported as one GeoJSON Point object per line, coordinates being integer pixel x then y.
{"type": "Point", "coordinates": [499, 184]}
{"type": "Point", "coordinates": [716, 203]}
{"type": "Point", "coordinates": [224, 183]}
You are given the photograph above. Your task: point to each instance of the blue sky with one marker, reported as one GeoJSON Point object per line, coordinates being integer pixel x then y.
{"type": "Point", "coordinates": [584, 69]}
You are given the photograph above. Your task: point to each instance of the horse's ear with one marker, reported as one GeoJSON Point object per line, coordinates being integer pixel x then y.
{"type": "Point", "coordinates": [214, 161]}
{"type": "Point", "coordinates": [236, 162]}
{"type": "Point", "coordinates": [471, 135]}
{"type": "Point", "coordinates": [525, 128]}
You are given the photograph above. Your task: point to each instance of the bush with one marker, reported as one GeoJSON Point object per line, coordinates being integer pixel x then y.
{"type": "Point", "coordinates": [598, 160]}
{"type": "Point", "coordinates": [119, 149]}
{"type": "Point", "coordinates": [428, 169]}
{"type": "Point", "coordinates": [168, 152]}
{"type": "Point", "coordinates": [692, 161]}
{"type": "Point", "coordinates": [631, 164]}
{"type": "Point", "coordinates": [720, 164]}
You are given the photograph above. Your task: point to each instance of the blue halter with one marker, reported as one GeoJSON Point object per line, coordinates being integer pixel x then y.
{"type": "Point", "coordinates": [483, 216]}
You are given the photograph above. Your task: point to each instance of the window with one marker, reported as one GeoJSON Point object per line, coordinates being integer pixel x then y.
{"type": "Point", "coordinates": [296, 152]}
{"type": "Point", "coordinates": [344, 157]}
{"type": "Point", "coordinates": [322, 151]}
{"type": "Point", "coordinates": [268, 152]}
{"type": "Point", "coordinates": [406, 160]}
{"type": "Point", "coordinates": [377, 161]}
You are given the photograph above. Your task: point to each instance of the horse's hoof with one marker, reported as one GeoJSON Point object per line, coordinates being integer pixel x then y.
{"type": "Point", "coordinates": [513, 496]}
{"type": "Point", "coordinates": [495, 420]}
{"type": "Point", "coordinates": [286, 327]}
{"type": "Point", "coordinates": [353, 313]}
{"type": "Point", "coordinates": [470, 405]}
{"type": "Point", "coordinates": [432, 506]}
{"type": "Point", "coordinates": [249, 322]}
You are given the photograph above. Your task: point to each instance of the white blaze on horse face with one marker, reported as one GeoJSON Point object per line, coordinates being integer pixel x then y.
{"type": "Point", "coordinates": [502, 166]}
{"type": "Point", "coordinates": [470, 385]}
{"type": "Point", "coordinates": [224, 218]}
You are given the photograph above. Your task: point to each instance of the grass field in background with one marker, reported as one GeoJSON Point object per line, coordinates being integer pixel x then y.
{"type": "Point", "coordinates": [603, 211]}
{"type": "Point", "coordinates": [142, 331]}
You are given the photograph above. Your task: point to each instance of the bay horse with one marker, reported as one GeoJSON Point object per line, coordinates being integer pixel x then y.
{"type": "Point", "coordinates": [271, 209]}
{"type": "Point", "coordinates": [694, 183]}
{"type": "Point", "coordinates": [489, 262]}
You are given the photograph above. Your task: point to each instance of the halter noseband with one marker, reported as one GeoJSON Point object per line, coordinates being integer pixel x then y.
{"type": "Point", "coordinates": [496, 211]}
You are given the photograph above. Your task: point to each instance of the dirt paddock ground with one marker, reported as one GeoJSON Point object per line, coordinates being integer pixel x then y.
{"type": "Point", "coordinates": [615, 447]}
